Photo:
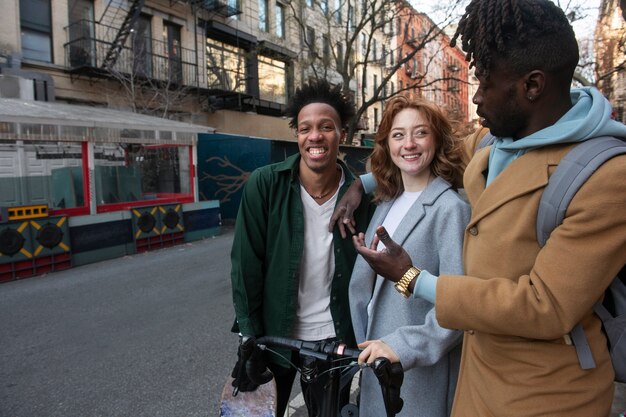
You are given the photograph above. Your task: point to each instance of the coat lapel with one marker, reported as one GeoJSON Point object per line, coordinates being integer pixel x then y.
{"type": "Point", "coordinates": [516, 180]}
{"type": "Point", "coordinates": [413, 217]}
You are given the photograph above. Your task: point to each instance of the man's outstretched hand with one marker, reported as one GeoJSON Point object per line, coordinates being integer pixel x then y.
{"type": "Point", "coordinates": [391, 262]}
{"type": "Point", "coordinates": [343, 216]}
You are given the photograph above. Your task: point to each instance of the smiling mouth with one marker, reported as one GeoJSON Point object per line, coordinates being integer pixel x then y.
{"type": "Point", "coordinates": [411, 157]}
{"type": "Point", "coordinates": [317, 151]}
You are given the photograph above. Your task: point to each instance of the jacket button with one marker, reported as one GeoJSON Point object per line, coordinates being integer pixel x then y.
{"type": "Point", "coordinates": [473, 230]}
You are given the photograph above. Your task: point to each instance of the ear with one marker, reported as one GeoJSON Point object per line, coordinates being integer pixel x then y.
{"type": "Point", "coordinates": [342, 136]}
{"type": "Point", "coordinates": [534, 84]}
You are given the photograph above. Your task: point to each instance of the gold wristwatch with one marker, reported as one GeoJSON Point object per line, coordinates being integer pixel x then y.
{"type": "Point", "coordinates": [403, 285]}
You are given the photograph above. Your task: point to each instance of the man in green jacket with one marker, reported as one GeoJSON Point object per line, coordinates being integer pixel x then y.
{"type": "Point", "coordinates": [290, 274]}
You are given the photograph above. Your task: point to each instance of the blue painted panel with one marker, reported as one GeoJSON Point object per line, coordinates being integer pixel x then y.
{"type": "Point", "coordinates": [226, 161]}
{"type": "Point", "coordinates": [224, 164]}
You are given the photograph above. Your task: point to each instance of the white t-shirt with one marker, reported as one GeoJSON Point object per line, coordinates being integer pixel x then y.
{"type": "Point", "coordinates": [317, 268]}
{"type": "Point", "coordinates": [394, 217]}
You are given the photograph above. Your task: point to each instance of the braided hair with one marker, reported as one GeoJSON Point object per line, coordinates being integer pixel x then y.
{"type": "Point", "coordinates": [526, 34]}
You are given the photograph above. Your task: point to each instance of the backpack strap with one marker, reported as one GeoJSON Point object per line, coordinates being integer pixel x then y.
{"type": "Point", "coordinates": [571, 173]}
{"type": "Point", "coordinates": [487, 140]}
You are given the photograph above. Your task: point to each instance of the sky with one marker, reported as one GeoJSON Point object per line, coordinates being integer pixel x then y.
{"type": "Point", "coordinates": [584, 27]}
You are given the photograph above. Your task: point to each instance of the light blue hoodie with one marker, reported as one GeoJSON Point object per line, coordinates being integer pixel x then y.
{"type": "Point", "coordinates": [589, 117]}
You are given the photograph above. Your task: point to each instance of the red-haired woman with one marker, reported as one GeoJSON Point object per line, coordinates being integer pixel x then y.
{"type": "Point", "coordinates": [416, 162]}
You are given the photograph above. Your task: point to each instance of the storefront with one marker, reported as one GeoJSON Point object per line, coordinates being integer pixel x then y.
{"type": "Point", "coordinates": [99, 182]}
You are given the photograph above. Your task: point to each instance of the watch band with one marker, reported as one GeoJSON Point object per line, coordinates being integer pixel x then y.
{"type": "Point", "coordinates": [402, 286]}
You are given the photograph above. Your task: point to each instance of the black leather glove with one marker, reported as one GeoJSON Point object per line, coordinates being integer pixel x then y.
{"type": "Point", "coordinates": [242, 382]}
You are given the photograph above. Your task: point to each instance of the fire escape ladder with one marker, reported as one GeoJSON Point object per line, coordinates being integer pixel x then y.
{"type": "Point", "coordinates": [122, 34]}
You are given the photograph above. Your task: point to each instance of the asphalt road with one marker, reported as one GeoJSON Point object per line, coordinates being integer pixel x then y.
{"type": "Point", "coordinates": [142, 335]}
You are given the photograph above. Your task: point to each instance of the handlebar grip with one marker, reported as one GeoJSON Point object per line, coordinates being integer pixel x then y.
{"type": "Point", "coordinates": [331, 348]}
{"type": "Point", "coordinates": [390, 376]}
{"type": "Point", "coordinates": [254, 364]}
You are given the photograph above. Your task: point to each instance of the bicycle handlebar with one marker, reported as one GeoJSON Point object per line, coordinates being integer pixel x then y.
{"type": "Point", "coordinates": [334, 349]}
{"type": "Point", "coordinates": [390, 375]}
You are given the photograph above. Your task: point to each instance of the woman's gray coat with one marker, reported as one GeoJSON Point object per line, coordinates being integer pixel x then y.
{"type": "Point", "coordinates": [432, 233]}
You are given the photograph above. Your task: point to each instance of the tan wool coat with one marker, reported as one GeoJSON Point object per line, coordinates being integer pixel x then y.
{"type": "Point", "coordinates": [519, 300]}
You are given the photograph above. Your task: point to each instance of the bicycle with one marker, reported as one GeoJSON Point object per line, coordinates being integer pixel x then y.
{"type": "Point", "coordinates": [343, 367]}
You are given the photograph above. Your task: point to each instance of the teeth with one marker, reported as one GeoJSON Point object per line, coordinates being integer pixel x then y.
{"type": "Point", "coordinates": [316, 151]}
{"type": "Point", "coordinates": [410, 156]}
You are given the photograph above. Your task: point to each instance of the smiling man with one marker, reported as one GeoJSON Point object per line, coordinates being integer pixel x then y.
{"type": "Point", "coordinates": [289, 274]}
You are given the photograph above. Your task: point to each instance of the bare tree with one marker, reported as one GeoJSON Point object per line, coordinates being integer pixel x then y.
{"type": "Point", "coordinates": [364, 38]}
{"type": "Point", "coordinates": [156, 78]}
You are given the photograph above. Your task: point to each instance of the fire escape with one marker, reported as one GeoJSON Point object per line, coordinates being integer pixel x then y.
{"type": "Point", "coordinates": [128, 18]}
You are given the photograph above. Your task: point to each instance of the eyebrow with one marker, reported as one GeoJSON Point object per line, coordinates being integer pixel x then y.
{"type": "Point", "coordinates": [325, 120]}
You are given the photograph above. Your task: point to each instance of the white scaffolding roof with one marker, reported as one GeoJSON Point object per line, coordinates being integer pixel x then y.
{"type": "Point", "coordinates": [54, 121]}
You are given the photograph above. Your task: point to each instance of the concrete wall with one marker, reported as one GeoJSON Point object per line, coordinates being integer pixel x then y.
{"type": "Point", "coordinates": [251, 124]}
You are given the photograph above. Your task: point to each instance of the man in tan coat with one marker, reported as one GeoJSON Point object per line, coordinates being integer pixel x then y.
{"type": "Point", "coordinates": [518, 302]}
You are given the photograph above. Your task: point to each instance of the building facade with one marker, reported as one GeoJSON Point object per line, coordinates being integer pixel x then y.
{"type": "Point", "coordinates": [228, 64]}
{"type": "Point", "coordinates": [610, 52]}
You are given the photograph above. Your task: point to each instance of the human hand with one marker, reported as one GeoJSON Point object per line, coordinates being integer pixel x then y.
{"type": "Point", "coordinates": [343, 215]}
{"type": "Point", "coordinates": [391, 262]}
{"type": "Point", "coordinates": [250, 370]}
{"type": "Point", "coordinates": [374, 349]}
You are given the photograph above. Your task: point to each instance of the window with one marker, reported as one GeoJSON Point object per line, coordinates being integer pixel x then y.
{"type": "Point", "coordinates": [272, 80]}
{"type": "Point", "coordinates": [351, 25]}
{"type": "Point", "coordinates": [127, 172]}
{"type": "Point", "coordinates": [142, 47]}
{"type": "Point", "coordinates": [310, 41]}
{"type": "Point", "coordinates": [375, 119]}
{"type": "Point", "coordinates": [235, 5]}
{"type": "Point", "coordinates": [324, 6]}
{"type": "Point", "coordinates": [171, 37]}
{"type": "Point", "coordinates": [81, 30]}
{"type": "Point", "coordinates": [375, 78]}
{"type": "Point", "coordinates": [263, 18]}
{"type": "Point", "coordinates": [364, 44]}
{"type": "Point", "coordinates": [52, 172]}
{"type": "Point", "coordinates": [326, 50]}
{"type": "Point", "coordinates": [36, 26]}
{"type": "Point", "coordinates": [338, 7]}
{"type": "Point", "coordinates": [374, 49]}
{"type": "Point", "coordinates": [225, 66]}
{"type": "Point", "coordinates": [280, 21]}
{"type": "Point", "coordinates": [340, 53]}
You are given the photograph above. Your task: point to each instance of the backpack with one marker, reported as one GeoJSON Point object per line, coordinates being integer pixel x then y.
{"type": "Point", "coordinates": [571, 173]}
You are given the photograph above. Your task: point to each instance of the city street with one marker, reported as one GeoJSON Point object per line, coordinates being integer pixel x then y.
{"type": "Point", "coordinates": [143, 335]}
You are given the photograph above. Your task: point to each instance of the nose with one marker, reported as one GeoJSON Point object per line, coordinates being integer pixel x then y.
{"type": "Point", "coordinates": [477, 99]}
{"type": "Point", "coordinates": [411, 141]}
{"type": "Point", "coordinates": [316, 134]}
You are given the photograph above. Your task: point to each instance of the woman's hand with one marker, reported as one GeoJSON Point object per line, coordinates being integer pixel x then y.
{"type": "Point", "coordinates": [374, 349]}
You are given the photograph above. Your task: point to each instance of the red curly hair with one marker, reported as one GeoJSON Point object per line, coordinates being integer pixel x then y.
{"type": "Point", "coordinates": [448, 161]}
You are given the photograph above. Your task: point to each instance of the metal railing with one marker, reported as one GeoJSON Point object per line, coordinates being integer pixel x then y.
{"type": "Point", "coordinates": [140, 57]}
